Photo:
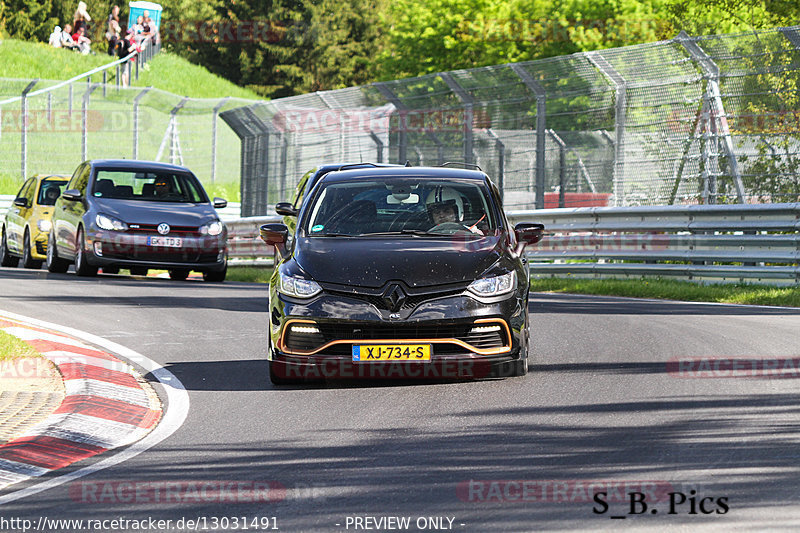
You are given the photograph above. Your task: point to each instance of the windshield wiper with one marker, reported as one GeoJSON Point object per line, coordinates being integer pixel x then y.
{"type": "Point", "coordinates": [399, 232]}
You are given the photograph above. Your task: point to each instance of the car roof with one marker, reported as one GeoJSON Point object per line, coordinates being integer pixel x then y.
{"type": "Point", "coordinates": [406, 172]}
{"type": "Point", "coordinates": [135, 164]}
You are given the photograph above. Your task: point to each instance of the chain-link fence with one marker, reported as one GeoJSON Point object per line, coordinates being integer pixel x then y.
{"type": "Point", "coordinates": [691, 120]}
{"type": "Point", "coordinates": [50, 127]}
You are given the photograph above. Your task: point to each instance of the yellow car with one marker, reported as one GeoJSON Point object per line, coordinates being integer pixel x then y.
{"type": "Point", "coordinates": [27, 221]}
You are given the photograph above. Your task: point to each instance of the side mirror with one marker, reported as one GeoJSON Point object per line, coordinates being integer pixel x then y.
{"type": "Point", "coordinates": [220, 203]}
{"type": "Point", "coordinates": [71, 194]}
{"type": "Point", "coordinates": [285, 209]}
{"type": "Point", "coordinates": [21, 202]}
{"type": "Point", "coordinates": [528, 233]}
{"type": "Point", "coordinates": [275, 235]}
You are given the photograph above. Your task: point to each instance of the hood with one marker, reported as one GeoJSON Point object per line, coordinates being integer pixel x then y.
{"type": "Point", "coordinates": [144, 212]}
{"type": "Point", "coordinates": [419, 262]}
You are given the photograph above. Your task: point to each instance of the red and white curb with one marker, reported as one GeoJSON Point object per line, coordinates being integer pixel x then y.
{"type": "Point", "coordinates": [105, 407]}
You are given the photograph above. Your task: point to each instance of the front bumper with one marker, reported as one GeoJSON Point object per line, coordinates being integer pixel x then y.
{"type": "Point", "coordinates": [128, 249]}
{"type": "Point", "coordinates": [467, 337]}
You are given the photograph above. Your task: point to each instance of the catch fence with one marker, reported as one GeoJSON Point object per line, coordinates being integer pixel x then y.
{"type": "Point", "coordinates": [49, 126]}
{"type": "Point", "coordinates": [690, 120]}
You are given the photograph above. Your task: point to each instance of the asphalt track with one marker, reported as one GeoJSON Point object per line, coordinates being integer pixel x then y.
{"type": "Point", "coordinates": [606, 404]}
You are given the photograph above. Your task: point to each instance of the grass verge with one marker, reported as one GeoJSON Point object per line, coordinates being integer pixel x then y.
{"type": "Point", "coordinates": [674, 290]}
{"type": "Point", "coordinates": [13, 348]}
{"type": "Point", "coordinates": [249, 274]}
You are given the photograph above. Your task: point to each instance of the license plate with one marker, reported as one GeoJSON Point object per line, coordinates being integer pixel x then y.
{"type": "Point", "coordinates": [168, 242]}
{"type": "Point", "coordinates": [364, 353]}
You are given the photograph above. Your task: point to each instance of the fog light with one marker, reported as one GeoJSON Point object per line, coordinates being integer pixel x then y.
{"type": "Point", "coordinates": [98, 249]}
{"type": "Point", "coordinates": [310, 330]}
{"type": "Point", "coordinates": [484, 329]}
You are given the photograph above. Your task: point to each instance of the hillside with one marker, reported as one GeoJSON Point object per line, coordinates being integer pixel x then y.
{"type": "Point", "coordinates": [168, 72]}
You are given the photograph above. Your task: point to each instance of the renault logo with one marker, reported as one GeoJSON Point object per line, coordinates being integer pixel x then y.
{"type": "Point", "coordinates": [163, 228]}
{"type": "Point", "coordinates": [394, 297]}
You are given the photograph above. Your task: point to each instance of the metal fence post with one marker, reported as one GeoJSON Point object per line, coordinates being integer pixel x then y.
{"type": "Point", "coordinates": [711, 74]}
{"type": "Point", "coordinates": [501, 161]}
{"type": "Point", "coordinates": [619, 122]}
{"type": "Point", "coordinates": [379, 146]}
{"type": "Point", "coordinates": [562, 167]}
{"type": "Point", "coordinates": [105, 80]}
{"type": "Point", "coordinates": [49, 107]}
{"type": "Point", "coordinates": [136, 122]}
{"type": "Point", "coordinates": [402, 110]}
{"type": "Point", "coordinates": [214, 137]}
{"type": "Point", "coordinates": [469, 104]}
{"type": "Point", "coordinates": [85, 122]}
{"type": "Point", "coordinates": [70, 99]}
{"type": "Point", "coordinates": [541, 127]}
{"type": "Point", "coordinates": [24, 126]}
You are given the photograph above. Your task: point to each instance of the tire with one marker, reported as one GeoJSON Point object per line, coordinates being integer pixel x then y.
{"type": "Point", "coordinates": [27, 260]}
{"type": "Point", "coordinates": [54, 263]}
{"type": "Point", "coordinates": [139, 271]}
{"type": "Point", "coordinates": [110, 270]}
{"type": "Point", "coordinates": [6, 259]}
{"type": "Point", "coordinates": [82, 266]}
{"type": "Point", "coordinates": [179, 274]}
{"type": "Point", "coordinates": [216, 276]}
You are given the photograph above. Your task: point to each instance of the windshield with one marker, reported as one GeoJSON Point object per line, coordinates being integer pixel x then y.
{"type": "Point", "coordinates": [414, 206]}
{"type": "Point", "coordinates": [148, 186]}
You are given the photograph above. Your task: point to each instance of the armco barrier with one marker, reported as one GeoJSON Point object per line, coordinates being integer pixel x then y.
{"type": "Point", "coordinates": [743, 242]}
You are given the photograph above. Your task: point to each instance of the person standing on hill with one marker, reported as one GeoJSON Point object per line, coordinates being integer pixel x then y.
{"type": "Point", "coordinates": [81, 18]}
{"type": "Point", "coordinates": [113, 30]}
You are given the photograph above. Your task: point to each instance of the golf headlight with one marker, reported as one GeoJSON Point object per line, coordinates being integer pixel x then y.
{"type": "Point", "coordinates": [213, 228]}
{"type": "Point", "coordinates": [109, 223]}
{"type": "Point", "coordinates": [44, 225]}
{"type": "Point", "coordinates": [495, 285]}
{"type": "Point", "coordinates": [298, 287]}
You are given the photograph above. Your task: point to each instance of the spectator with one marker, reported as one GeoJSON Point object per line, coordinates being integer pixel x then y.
{"type": "Point", "coordinates": [83, 42]}
{"type": "Point", "coordinates": [147, 25]}
{"type": "Point", "coordinates": [81, 18]}
{"type": "Point", "coordinates": [138, 30]}
{"type": "Point", "coordinates": [66, 38]}
{"type": "Point", "coordinates": [55, 37]}
{"type": "Point", "coordinates": [113, 30]}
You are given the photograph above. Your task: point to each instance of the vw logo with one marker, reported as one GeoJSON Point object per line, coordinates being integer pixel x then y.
{"type": "Point", "coordinates": [163, 228]}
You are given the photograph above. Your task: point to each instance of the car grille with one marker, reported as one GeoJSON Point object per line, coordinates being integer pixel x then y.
{"type": "Point", "coordinates": [160, 257]}
{"type": "Point", "coordinates": [174, 231]}
{"type": "Point", "coordinates": [412, 300]}
{"type": "Point", "coordinates": [334, 338]}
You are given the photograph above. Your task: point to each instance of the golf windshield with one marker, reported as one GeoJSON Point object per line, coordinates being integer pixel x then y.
{"type": "Point", "coordinates": [148, 186]}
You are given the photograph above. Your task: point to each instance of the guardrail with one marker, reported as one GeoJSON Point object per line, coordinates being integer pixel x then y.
{"type": "Point", "coordinates": [710, 243]}
{"type": "Point", "coordinates": [743, 243]}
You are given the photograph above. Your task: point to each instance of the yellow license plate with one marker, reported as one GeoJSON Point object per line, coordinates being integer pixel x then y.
{"type": "Point", "coordinates": [365, 353]}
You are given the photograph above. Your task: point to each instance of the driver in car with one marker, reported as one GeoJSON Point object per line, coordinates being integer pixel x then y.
{"type": "Point", "coordinates": [446, 209]}
{"type": "Point", "coordinates": [163, 189]}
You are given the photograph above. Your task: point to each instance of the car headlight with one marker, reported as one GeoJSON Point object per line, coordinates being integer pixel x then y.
{"type": "Point", "coordinates": [495, 285]}
{"type": "Point", "coordinates": [298, 287]}
{"type": "Point", "coordinates": [109, 223]}
{"type": "Point", "coordinates": [212, 228]}
{"type": "Point", "coordinates": [44, 225]}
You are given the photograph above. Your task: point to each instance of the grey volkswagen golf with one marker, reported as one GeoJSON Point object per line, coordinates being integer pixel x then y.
{"type": "Point", "coordinates": [137, 215]}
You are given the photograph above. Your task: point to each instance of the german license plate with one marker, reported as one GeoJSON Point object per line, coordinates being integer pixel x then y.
{"type": "Point", "coordinates": [168, 242]}
{"type": "Point", "coordinates": [364, 353]}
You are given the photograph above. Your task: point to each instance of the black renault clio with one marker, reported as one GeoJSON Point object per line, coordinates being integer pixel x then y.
{"type": "Point", "coordinates": [405, 272]}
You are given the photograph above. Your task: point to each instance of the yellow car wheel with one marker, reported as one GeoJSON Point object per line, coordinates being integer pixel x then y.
{"type": "Point", "coordinates": [27, 259]}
